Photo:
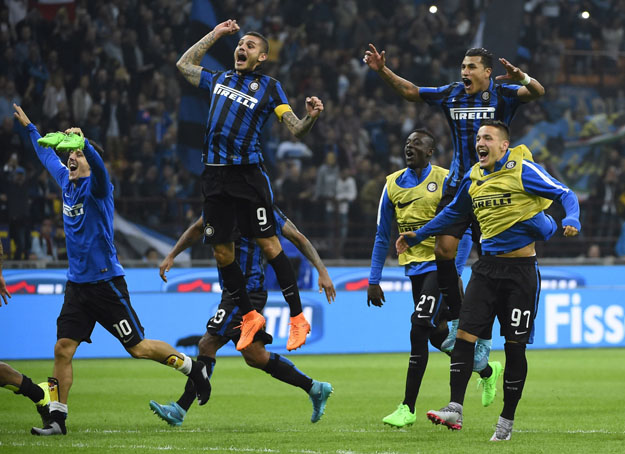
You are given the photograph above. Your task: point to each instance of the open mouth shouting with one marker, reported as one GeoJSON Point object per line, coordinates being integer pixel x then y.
{"type": "Point", "coordinates": [241, 58]}
{"type": "Point", "coordinates": [482, 155]}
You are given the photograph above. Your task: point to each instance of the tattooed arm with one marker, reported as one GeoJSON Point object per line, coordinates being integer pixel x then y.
{"type": "Point", "coordinates": [300, 127]}
{"type": "Point", "coordinates": [189, 63]}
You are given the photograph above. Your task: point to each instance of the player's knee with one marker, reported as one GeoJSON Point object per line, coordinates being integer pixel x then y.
{"type": "Point", "coordinates": [141, 350]}
{"type": "Point", "coordinates": [256, 355]}
{"type": "Point", "coordinates": [64, 349]}
{"type": "Point", "coordinates": [444, 252]}
{"type": "Point", "coordinates": [224, 254]}
{"type": "Point", "coordinates": [445, 247]}
{"type": "Point", "coordinates": [270, 246]}
{"type": "Point", "coordinates": [514, 351]}
{"type": "Point", "coordinates": [208, 345]}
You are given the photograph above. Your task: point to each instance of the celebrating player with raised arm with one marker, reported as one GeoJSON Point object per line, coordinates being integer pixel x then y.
{"type": "Point", "coordinates": [96, 289]}
{"type": "Point", "coordinates": [236, 189]}
{"type": "Point", "coordinates": [466, 104]}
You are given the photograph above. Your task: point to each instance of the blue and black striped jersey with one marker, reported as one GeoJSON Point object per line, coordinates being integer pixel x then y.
{"type": "Point", "coordinates": [240, 105]}
{"type": "Point", "coordinates": [464, 115]}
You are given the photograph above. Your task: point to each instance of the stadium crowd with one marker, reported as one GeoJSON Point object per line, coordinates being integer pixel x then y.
{"type": "Point", "coordinates": [109, 68]}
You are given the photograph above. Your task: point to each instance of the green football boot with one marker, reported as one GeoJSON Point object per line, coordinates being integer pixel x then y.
{"type": "Point", "coordinates": [400, 417]}
{"type": "Point", "coordinates": [490, 384]}
{"type": "Point", "coordinates": [51, 139]}
{"type": "Point", "coordinates": [71, 142]}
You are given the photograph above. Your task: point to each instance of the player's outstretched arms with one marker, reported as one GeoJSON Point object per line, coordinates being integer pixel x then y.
{"type": "Point", "coordinates": [377, 62]}
{"type": "Point", "coordinates": [299, 128]}
{"type": "Point", "coordinates": [190, 236]}
{"type": "Point", "coordinates": [531, 89]}
{"type": "Point", "coordinates": [375, 295]}
{"type": "Point", "coordinates": [189, 63]}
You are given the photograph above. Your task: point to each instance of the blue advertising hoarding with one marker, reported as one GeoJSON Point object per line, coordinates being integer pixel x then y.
{"type": "Point", "coordinates": [580, 306]}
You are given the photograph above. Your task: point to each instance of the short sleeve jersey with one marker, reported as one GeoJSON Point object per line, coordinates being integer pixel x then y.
{"type": "Point", "coordinates": [240, 105]}
{"type": "Point", "coordinates": [464, 115]}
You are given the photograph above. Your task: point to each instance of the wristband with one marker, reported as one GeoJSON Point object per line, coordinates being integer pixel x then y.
{"type": "Point", "coordinates": [526, 80]}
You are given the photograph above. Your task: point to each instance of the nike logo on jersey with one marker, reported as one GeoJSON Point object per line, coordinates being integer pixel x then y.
{"type": "Point", "coordinates": [263, 229]}
{"type": "Point", "coordinates": [481, 182]}
{"type": "Point", "coordinates": [405, 204]}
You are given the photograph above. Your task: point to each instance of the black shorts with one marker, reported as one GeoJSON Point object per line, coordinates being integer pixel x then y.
{"type": "Point", "coordinates": [227, 320]}
{"type": "Point", "coordinates": [105, 302]}
{"type": "Point", "coordinates": [237, 202]}
{"type": "Point", "coordinates": [458, 228]}
{"type": "Point", "coordinates": [507, 288]}
{"type": "Point", "coordinates": [429, 306]}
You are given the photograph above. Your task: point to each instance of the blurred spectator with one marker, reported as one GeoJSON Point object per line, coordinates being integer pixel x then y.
{"type": "Point", "coordinates": [325, 190]}
{"type": "Point", "coordinates": [43, 246]}
{"type": "Point", "coordinates": [8, 96]}
{"type": "Point", "coordinates": [152, 256]}
{"type": "Point", "coordinates": [93, 127]}
{"type": "Point", "coordinates": [18, 210]}
{"type": "Point", "coordinates": [346, 193]}
{"type": "Point", "coordinates": [54, 94]}
{"type": "Point", "coordinates": [81, 101]}
{"type": "Point", "coordinates": [608, 224]}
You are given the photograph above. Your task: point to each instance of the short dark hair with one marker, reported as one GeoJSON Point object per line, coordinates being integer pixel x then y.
{"type": "Point", "coordinates": [427, 133]}
{"type": "Point", "coordinates": [499, 125]}
{"type": "Point", "coordinates": [262, 38]}
{"type": "Point", "coordinates": [486, 56]}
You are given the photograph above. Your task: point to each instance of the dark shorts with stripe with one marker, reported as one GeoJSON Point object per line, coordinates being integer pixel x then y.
{"type": "Point", "coordinates": [459, 227]}
{"type": "Point", "coordinates": [105, 302]}
{"type": "Point", "coordinates": [506, 288]}
{"type": "Point", "coordinates": [429, 306]}
{"type": "Point", "coordinates": [238, 201]}
{"type": "Point", "coordinates": [227, 320]}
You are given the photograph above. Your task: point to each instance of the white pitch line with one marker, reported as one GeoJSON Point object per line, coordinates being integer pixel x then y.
{"type": "Point", "coordinates": [183, 449]}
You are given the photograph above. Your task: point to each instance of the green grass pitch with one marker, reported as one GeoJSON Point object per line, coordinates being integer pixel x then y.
{"type": "Point", "coordinates": [574, 402]}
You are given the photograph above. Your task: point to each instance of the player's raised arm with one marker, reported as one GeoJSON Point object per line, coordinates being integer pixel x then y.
{"type": "Point", "coordinates": [290, 232]}
{"type": "Point", "coordinates": [300, 127]}
{"type": "Point", "coordinates": [377, 62]}
{"type": "Point", "coordinates": [531, 89]}
{"type": "Point", "coordinates": [190, 236]}
{"type": "Point", "coordinates": [189, 63]}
